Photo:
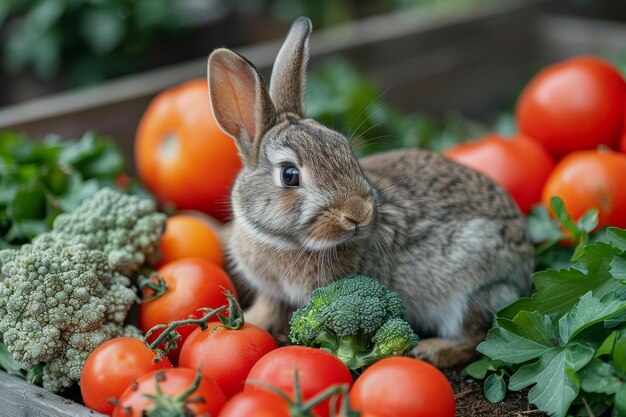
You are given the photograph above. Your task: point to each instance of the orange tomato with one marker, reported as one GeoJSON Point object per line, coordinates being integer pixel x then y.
{"type": "Point", "coordinates": [182, 155]}
{"type": "Point", "coordinates": [189, 237]}
{"type": "Point", "coordinates": [517, 164]}
{"type": "Point", "coordinates": [591, 179]}
{"type": "Point", "coordinates": [573, 105]}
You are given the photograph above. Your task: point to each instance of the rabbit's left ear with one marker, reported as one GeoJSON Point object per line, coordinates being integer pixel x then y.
{"type": "Point", "coordinates": [240, 102]}
{"type": "Point", "coordinates": [289, 72]}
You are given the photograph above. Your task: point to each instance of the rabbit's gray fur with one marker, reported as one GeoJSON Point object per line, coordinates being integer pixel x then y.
{"type": "Point", "coordinates": [449, 241]}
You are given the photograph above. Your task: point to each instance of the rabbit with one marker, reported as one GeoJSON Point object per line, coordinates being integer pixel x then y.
{"type": "Point", "coordinates": [449, 241]}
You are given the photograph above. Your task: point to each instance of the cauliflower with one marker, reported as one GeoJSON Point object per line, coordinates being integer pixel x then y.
{"type": "Point", "coordinates": [126, 228]}
{"type": "Point", "coordinates": [69, 291]}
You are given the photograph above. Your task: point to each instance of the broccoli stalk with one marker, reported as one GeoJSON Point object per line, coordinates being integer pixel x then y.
{"type": "Point", "coordinates": [355, 318]}
{"type": "Point", "coordinates": [70, 290]}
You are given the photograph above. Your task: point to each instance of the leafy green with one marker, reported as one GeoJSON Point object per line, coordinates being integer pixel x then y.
{"type": "Point", "coordinates": [40, 180]}
{"type": "Point", "coordinates": [90, 40]}
{"type": "Point", "coordinates": [339, 96]}
{"type": "Point", "coordinates": [567, 342]}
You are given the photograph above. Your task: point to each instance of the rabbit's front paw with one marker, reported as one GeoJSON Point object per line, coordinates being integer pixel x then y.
{"type": "Point", "coordinates": [447, 353]}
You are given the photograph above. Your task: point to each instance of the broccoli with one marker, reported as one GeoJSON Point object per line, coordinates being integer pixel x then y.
{"type": "Point", "coordinates": [357, 319]}
{"type": "Point", "coordinates": [70, 290]}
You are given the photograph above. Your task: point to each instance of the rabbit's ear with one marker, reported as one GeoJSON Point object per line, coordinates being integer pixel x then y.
{"type": "Point", "coordinates": [241, 104]}
{"type": "Point", "coordinates": [288, 74]}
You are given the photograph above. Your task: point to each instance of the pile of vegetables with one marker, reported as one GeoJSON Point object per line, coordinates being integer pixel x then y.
{"type": "Point", "coordinates": [69, 290]}
{"type": "Point", "coordinates": [80, 250]}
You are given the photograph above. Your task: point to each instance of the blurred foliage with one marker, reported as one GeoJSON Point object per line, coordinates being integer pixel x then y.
{"type": "Point", "coordinates": [342, 98]}
{"type": "Point", "coordinates": [39, 180]}
{"type": "Point", "coordinates": [89, 40]}
{"type": "Point", "coordinates": [329, 12]}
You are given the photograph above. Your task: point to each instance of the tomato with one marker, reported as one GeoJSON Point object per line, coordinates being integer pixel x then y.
{"type": "Point", "coordinates": [257, 404]}
{"type": "Point", "coordinates": [110, 369]}
{"type": "Point", "coordinates": [317, 370]}
{"type": "Point", "coordinates": [224, 355]}
{"type": "Point", "coordinates": [518, 164]}
{"type": "Point", "coordinates": [172, 382]}
{"type": "Point", "coordinates": [182, 155]}
{"type": "Point", "coordinates": [623, 140]}
{"type": "Point", "coordinates": [192, 283]}
{"type": "Point", "coordinates": [572, 105]}
{"type": "Point", "coordinates": [588, 179]}
{"type": "Point", "coordinates": [403, 387]}
{"type": "Point", "coordinates": [189, 237]}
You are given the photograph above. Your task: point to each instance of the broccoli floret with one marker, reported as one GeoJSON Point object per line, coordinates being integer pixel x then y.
{"type": "Point", "coordinates": [69, 291]}
{"type": "Point", "coordinates": [357, 319]}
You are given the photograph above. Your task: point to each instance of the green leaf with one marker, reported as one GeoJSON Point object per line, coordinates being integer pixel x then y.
{"type": "Point", "coordinates": [478, 369]}
{"type": "Point", "coordinates": [103, 29]}
{"type": "Point", "coordinates": [507, 346]}
{"type": "Point", "coordinates": [607, 345]}
{"type": "Point", "coordinates": [558, 208]}
{"type": "Point", "coordinates": [589, 311]}
{"type": "Point", "coordinates": [7, 362]}
{"type": "Point", "coordinates": [494, 388]}
{"type": "Point", "coordinates": [554, 378]}
{"type": "Point", "coordinates": [618, 267]}
{"type": "Point", "coordinates": [619, 356]}
{"type": "Point", "coordinates": [599, 377]}
{"type": "Point", "coordinates": [620, 401]}
{"type": "Point", "coordinates": [589, 221]}
{"type": "Point", "coordinates": [29, 203]}
{"type": "Point", "coordinates": [617, 237]}
{"type": "Point", "coordinates": [558, 291]}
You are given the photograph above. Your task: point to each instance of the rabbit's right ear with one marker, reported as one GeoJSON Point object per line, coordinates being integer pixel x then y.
{"type": "Point", "coordinates": [240, 101]}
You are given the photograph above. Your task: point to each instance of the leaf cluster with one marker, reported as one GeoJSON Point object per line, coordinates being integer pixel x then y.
{"type": "Point", "coordinates": [40, 180]}
{"type": "Point", "coordinates": [89, 39]}
{"type": "Point", "coordinates": [567, 342]}
{"type": "Point", "coordinates": [341, 97]}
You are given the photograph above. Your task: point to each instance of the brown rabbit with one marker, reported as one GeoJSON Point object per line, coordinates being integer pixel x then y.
{"type": "Point", "coordinates": [448, 240]}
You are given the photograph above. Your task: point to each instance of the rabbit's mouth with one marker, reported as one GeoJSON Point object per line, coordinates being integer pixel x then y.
{"type": "Point", "coordinates": [333, 229]}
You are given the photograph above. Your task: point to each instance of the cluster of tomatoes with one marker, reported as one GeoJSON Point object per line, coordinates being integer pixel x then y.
{"type": "Point", "coordinates": [571, 119]}
{"type": "Point", "coordinates": [234, 371]}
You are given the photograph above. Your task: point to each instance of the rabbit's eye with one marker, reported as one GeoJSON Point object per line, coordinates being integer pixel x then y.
{"type": "Point", "coordinates": [290, 176]}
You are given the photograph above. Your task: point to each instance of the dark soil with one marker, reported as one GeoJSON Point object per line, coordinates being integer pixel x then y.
{"type": "Point", "coordinates": [470, 401]}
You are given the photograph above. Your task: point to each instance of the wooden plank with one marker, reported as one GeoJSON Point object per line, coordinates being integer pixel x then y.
{"type": "Point", "coordinates": [20, 399]}
{"type": "Point", "coordinates": [563, 36]}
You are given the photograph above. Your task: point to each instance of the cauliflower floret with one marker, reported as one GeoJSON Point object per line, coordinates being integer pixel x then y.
{"type": "Point", "coordinates": [57, 305]}
{"type": "Point", "coordinates": [126, 228]}
{"type": "Point", "coordinates": [69, 290]}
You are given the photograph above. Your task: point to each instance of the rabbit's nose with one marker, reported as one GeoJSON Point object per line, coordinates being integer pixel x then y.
{"type": "Point", "coordinates": [358, 211]}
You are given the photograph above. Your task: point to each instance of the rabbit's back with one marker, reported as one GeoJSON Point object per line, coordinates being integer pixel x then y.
{"type": "Point", "coordinates": [447, 239]}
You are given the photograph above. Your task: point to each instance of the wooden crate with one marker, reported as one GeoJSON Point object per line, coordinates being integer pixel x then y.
{"type": "Point", "coordinates": [468, 60]}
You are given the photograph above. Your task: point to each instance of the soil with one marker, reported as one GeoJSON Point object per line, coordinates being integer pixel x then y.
{"type": "Point", "coordinates": [470, 401]}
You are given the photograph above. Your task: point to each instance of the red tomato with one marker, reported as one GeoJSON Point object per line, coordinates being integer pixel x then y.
{"type": "Point", "coordinates": [574, 104]}
{"type": "Point", "coordinates": [182, 155]}
{"type": "Point", "coordinates": [256, 404]}
{"type": "Point", "coordinates": [518, 164]}
{"type": "Point", "coordinates": [591, 179]}
{"type": "Point", "coordinates": [192, 283]}
{"type": "Point", "coordinates": [403, 387]}
{"type": "Point", "coordinates": [172, 382]}
{"type": "Point", "coordinates": [110, 369]}
{"type": "Point", "coordinates": [317, 370]}
{"type": "Point", "coordinates": [224, 355]}
{"type": "Point", "coordinates": [187, 236]}
{"type": "Point", "coordinates": [623, 140]}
